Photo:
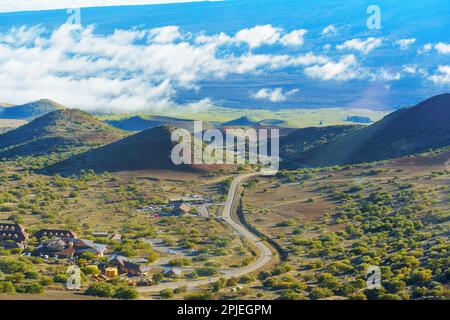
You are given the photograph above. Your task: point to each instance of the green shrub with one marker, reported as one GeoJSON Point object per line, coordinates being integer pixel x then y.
{"type": "Point", "coordinates": [126, 293]}
{"type": "Point", "coordinates": [101, 289]}
{"type": "Point", "coordinates": [179, 290]}
{"type": "Point", "coordinates": [60, 278]}
{"type": "Point", "coordinates": [206, 271]}
{"type": "Point", "coordinates": [34, 288]}
{"type": "Point", "coordinates": [198, 296]}
{"type": "Point", "coordinates": [166, 293]}
{"type": "Point", "coordinates": [7, 287]}
{"type": "Point", "coordinates": [320, 293]}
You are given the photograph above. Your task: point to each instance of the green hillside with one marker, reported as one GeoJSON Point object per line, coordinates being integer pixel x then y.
{"type": "Point", "coordinates": [404, 132]}
{"type": "Point", "coordinates": [57, 131]}
{"type": "Point", "coordinates": [30, 110]}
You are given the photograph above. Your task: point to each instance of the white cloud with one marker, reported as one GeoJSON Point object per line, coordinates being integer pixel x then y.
{"type": "Point", "coordinates": [415, 69]}
{"type": "Point", "coordinates": [294, 38]}
{"type": "Point", "coordinates": [264, 35]}
{"type": "Point", "coordinates": [425, 48]}
{"type": "Point", "coordinates": [442, 76]}
{"type": "Point", "coordinates": [38, 5]}
{"type": "Point", "coordinates": [217, 39]}
{"type": "Point", "coordinates": [165, 34]}
{"type": "Point", "coordinates": [405, 43]}
{"type": "Point", "coordinates": [386, 75]}
{"type": "Point", "coordinates": [443, 48]}
{"type": "Point", "coordinates": [410, 69]}
{"type": "Point", "coordinates": [258, 36]}
{"type": "Point", "coordinates": [364, 46]}
{"type": "Point", "coordinates": [274, 95]}
{"type": "Point", "coordinates": [329, 30]}
{"type": "Point", "coordinates": [346, 68]}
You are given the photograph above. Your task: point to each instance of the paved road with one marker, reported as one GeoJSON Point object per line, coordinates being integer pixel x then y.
{"type": "Point", "coordinates": [265, 251]}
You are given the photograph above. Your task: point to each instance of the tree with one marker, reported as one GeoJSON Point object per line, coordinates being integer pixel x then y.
{"type": "Point", "coordinates": [34, 288]}
{"type": "Point", "coordinates": [180, 262]}
{"type": "Point", "coordinates": [11, 266]}
{"type": "Point", "coordinates": [90, 270]}
{"type": "Point", "coordinates": [101, 289]}
{"type": "Point", "coordinates": [7, 287]}
{"type": "Point", "coordinates": [198, 296]}
{"type": "Point", "coordinates": [157, 277]}
{"type": "Point", "coordinates": [320, 293]}
{"type": "Point", "coordinates": [180, 290]}
{"type": "Point", "coordinates": [328, 280]}
{"type": "Point", "coordinates": [166, 293]}
{"type": "Point", "coordinates": [394, 286]}
{"type": "Point", "coordinates": [292, 295]}
{"type": "Point", "coordinates": [126, 293]}
{"type": "Point", "coordinates": [16, 218]}
{"type": "Point", "coordinates": [232, 282]}
{"type": "Point", "coordinates": [358, 296]}
{"type": "Point", "coordinates": [421, 276]}
{"type": "Point", "coordinates": [219, 284]}
{"type": "Point", "coordinates": [248, 278]}
{"type": "Point", "coordinates": [206, 271]}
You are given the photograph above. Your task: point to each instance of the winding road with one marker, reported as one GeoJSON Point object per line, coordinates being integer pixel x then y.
{"type": "Point", "coordinates": [265, 252]}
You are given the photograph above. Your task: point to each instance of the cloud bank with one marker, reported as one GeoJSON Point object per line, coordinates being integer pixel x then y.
{"type": "Point", "coordinates": [143, 70]}
{"type": "Point", "coordinates": [130, 70]}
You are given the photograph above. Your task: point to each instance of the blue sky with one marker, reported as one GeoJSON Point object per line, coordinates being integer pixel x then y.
{"type": "Point", "coordinates": [242, 54]}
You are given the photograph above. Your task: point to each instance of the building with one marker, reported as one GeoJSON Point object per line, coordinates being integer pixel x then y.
{"type": "Point", "coordinates": [55, 233]}
{"type": "Point", "coordinates": [188, 200]}
{"type": "Point", "coordinates": [13, 235]}
{"type": "Point", "coordinates": [182, 209]}
{"type": "Point", "coordinates": [172, 271]}
{"type": "Point", "coordinates": [115, 237]}
{"type": "Point", "coordinates": [83, 245]}
{"type": "Point", "coordinates": [126, 266]}
{"type": "Point", "coordinates": [68, 248]}
{"type": "Point", "coordinates": [100, 234]}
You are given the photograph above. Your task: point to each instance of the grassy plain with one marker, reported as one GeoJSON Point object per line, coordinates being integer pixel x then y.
{"type": "Point", "coordinates": [298, 118]}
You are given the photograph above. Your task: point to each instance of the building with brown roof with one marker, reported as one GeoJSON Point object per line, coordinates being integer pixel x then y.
{"type": "Point", "coordinates": [126, 266]}
{"type": "Point", "coordinates": [182, 209]}
{"type": "Point", "coordinates": [12, 235]}
{"type": "Point", "coordinates": [55, 233]}
{"type": "Point", "coordinates": [67, 248]}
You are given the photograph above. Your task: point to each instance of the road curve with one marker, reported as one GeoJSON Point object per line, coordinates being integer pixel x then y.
{"type": "Point", "coordinates": [265, 252]}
